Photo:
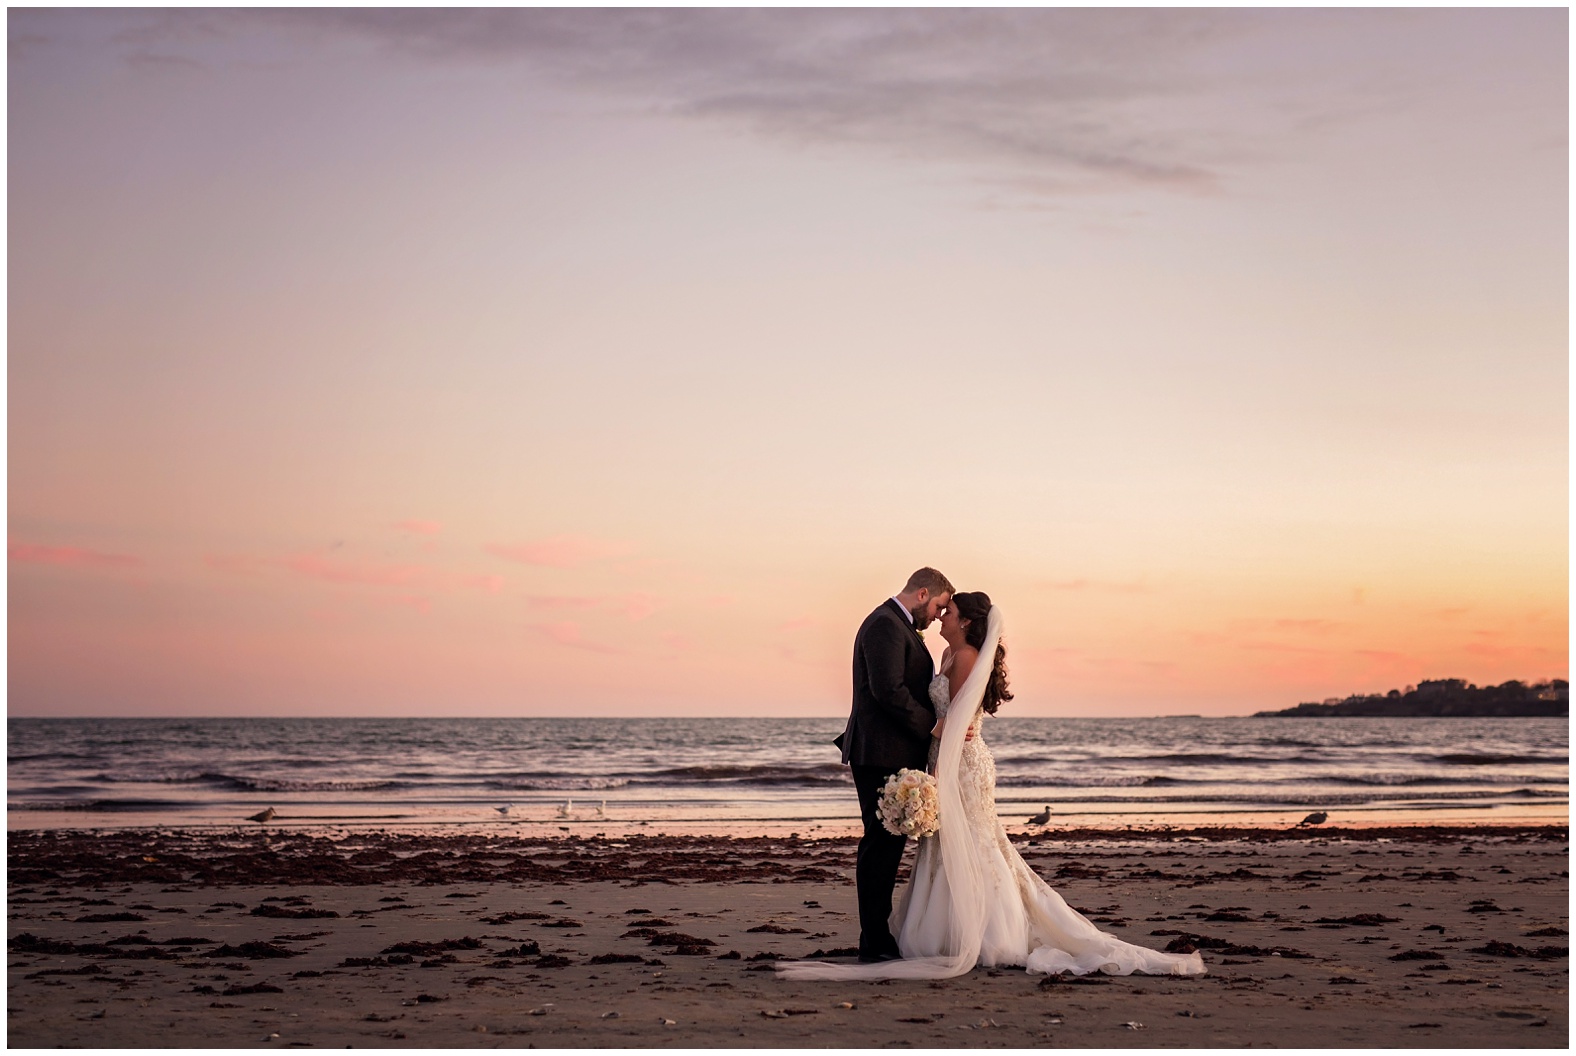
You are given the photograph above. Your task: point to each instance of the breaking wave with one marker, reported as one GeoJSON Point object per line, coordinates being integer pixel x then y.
{"type": "Point", "coordinates": [247, 784]}
{"type": "Point", "coordinates": [770, 774]}
{"type": "Point", "coordinates": [1487, 759]}
{"type": "Point", "coordinates": [557, 784]}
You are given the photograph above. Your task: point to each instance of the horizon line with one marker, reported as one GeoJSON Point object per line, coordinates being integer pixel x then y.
{"type": "Point", "coordinates": [1278, 713]}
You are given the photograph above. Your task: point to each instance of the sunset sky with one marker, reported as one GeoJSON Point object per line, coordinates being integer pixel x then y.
{"type": "Point", "coordinates": [589, 362]}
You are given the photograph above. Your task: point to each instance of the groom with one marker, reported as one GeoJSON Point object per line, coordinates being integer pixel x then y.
{"type": "Point", "coordinates": [889, 729]}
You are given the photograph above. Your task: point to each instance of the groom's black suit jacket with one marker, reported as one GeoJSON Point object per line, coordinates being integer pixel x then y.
{"type": "Point", "coordinates": [892, 716]}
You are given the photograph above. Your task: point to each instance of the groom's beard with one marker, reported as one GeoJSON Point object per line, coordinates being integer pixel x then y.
{"type": "Point", "coordinates": [921, 621]}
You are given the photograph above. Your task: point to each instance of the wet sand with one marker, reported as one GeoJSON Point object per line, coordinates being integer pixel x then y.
{"type": "Point", "coordinates": [1422, 936]}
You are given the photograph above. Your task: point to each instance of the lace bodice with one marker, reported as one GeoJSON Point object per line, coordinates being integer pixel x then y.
{"type": "Point", "coordinates": [940, 695]}
{"type": "Point", "coordinates": [941, 698]}
{"type": "Point", "coordinates": [977, 768]}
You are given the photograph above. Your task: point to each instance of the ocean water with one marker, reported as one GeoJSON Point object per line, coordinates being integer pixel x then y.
{"type": "Point", "coordinates": [733, 773]}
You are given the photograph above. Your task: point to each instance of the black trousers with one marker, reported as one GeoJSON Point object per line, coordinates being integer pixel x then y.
{"type": "Point", "coordinates": [875, 870]}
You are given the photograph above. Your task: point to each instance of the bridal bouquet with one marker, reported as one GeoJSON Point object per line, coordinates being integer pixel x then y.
{"type": "Point", "coordinates": [909, 804]}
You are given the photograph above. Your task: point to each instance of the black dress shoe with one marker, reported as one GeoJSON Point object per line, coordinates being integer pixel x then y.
{"type": "Point", "coordinates": [877, 958]}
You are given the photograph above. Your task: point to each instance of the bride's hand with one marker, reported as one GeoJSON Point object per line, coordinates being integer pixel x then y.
{"type": "Point", "coordinates": [968, 735]}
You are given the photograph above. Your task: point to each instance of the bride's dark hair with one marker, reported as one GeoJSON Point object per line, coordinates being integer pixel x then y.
{"type": "Point", "coordinates": [974, 606]}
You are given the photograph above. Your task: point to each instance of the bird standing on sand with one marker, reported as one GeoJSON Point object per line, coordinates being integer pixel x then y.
{"type": "Point", "coordinates": [504, 810]}
{"type": "Point", "coordinates": [563, 811]}
{"type": "Point", "coordinates": [1318, 817]}
{"type": "Point", "coordinates": [1042, 818]}
{"type": "Point", "coordinates": [265, 817]}
{"type": "Point", "coordinates": [601, 810]}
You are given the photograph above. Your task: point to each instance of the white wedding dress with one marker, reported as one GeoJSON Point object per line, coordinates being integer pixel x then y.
{"type": "Point", "coordinates": [972, 899]}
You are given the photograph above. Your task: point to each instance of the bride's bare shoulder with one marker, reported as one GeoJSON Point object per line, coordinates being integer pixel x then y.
{"type": "Point", "coordinates": [962, 663]}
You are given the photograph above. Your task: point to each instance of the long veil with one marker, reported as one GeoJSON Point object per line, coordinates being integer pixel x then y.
{"type": "Point", "coordinates": [959, 858]}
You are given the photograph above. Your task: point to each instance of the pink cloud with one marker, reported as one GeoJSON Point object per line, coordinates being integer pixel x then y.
{"type": "Point", "coordinates": [419, 527]}
{"type": "Point", "coordinates": [641, 565]}
{"type": "Point", "coordinates": [564, 601]}
{"type": "Point", "coordinates": [798, 623]}
{"type": "Point", "coordinates": [567, 633]}
{"type": "Point", "coordinates": [674, 640]}
{"type": "Point", "coordinates": [794, 656]}
{"type": "Point", "coordinates": [69, 556]}
{"type": "Point", "coordinates": [416, 601]}
{"type": "Point", "coordinates": [559, 551]}
{"type": "Point", "coordinates": [1310, 626]}
{"type": "Point", "coordinates": [344, 572]}
{"type": "Point", "coordinates": [1282, 647]}
{"type": "Point", "coordinates": [638, 606]}
{"type": "Point", "coordinates": [1514, 653]}
{"type": "Point", "coordinates": [410, 577]}
{"type": "Point", "coordinates": [237, 563]}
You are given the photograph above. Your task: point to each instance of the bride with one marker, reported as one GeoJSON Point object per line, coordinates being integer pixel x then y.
{"type": "Point", "coordinates": [972, 899]}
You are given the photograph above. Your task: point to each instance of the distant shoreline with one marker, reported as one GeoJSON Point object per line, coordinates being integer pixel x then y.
{"type": "Point", "coordinates": [1445, 698]}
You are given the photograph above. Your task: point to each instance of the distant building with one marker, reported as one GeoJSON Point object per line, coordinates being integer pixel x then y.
{"type": "Point", "coordinates": [1438, 686]}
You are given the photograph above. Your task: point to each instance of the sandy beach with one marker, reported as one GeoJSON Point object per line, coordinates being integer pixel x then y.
{"type": "Point", "coordinates": [1421, 936]}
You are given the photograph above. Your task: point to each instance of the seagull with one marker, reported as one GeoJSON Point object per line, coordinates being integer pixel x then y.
{"type": "Point", "coordinates": [504, 809]}
{"type": "Point", "coordinates": [1042, 818]}
{"type": "Point", "coordinates": [601, 811]}
{"type": "Point", "coordinates": [563, 811]}
{"type": "Point", "coordinates": [265, 817]}
{"type": "Point", "coordinates": [1318, 817]}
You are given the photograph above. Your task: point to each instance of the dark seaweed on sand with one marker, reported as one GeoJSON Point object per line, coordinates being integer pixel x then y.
{"type": "Point", "coordinates": [509, 918]}
{"type": "Point", "coordinates": [377, 962]}
{"type": "Point", "coordinates": [1506, 949]}
{"type": "Point", "coordinates": [267, 910]}
{"type": "Point", "coordinates": [1187, 942]}
{"type": "Point", "coordinates": [253, 951]}
{"type": "Point", "coordinates": [425, 949]}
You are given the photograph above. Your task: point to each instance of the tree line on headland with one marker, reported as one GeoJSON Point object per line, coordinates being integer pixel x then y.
{"type": "Point", "coordinates": [1446, 697]}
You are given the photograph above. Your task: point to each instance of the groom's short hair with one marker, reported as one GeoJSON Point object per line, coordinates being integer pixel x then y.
{"type": "Point", "coordinates": [929, 579]}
